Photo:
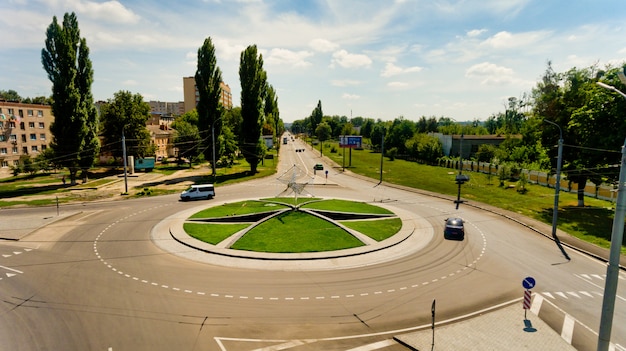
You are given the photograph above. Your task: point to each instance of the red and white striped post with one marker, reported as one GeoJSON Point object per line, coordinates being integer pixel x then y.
{"type": "Point", "coordinates": [526, 301]}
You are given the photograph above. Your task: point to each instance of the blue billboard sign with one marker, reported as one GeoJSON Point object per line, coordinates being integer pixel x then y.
{"type": "Point", "coordinates": [351, 141]}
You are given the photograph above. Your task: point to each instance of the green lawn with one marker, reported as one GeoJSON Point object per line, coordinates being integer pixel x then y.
{"type": "Point", "coordinates": [378, 230]}
{"type": "Point", "coordinates": [213, 233]}
{"type": "Point", "coordinates": [591, 223]}
{"type": "Point", "coordinates": [285, 234]}
{"type": "Point", "coordinates": [237, 208]}
{"type": "Point", "coordinates": [346, 206]}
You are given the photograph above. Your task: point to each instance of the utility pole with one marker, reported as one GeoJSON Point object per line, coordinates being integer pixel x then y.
{"type": "Point", "coordinates": [125, 163]}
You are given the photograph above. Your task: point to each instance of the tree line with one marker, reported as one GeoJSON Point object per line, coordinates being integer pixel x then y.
{"type": "Point", "coordinates": [78, 126]}
{"type": "Point", "coordinates": [568, 105]}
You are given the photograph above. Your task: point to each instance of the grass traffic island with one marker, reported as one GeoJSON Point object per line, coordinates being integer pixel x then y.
{"type": "Point", "coordinates": [288, 225]}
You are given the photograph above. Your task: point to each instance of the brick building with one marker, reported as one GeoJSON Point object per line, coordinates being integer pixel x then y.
{"type": "Point", "coordinates": [24, 132]}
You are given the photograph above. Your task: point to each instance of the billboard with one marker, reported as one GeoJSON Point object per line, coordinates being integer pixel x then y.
{"type": "Point", "coordinates": [351, 141]}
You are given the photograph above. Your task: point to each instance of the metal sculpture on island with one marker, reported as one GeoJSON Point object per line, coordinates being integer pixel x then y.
{"type": "Point", "coordinates": [290, 179]}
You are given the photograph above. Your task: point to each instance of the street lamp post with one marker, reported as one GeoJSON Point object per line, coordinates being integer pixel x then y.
{"type": "Point", "coordinates": [125, 163]}
{"type": "Point", "coordinates": [213, 141]}
{"type": "Point", "coordinates": [557, 189]}
{"type": "Point", "coordinates": [612, 271]}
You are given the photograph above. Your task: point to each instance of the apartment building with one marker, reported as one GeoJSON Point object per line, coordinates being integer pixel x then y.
{"type": "Point", "coordinates": [162, 135]}
{"type": "Point", "coordinates": [24, 132]}
{"type": "Point", "coordinates": [191, 96]}
{"type": "Point", "coordinates": [167, 108]}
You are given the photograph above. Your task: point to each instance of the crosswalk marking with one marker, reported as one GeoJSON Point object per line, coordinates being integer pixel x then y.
{"type": "Point", "coordinates": [374, 346]}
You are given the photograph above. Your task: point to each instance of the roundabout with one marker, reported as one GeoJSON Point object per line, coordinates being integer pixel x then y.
{"type": "Point", "coordinates": [414, 235]}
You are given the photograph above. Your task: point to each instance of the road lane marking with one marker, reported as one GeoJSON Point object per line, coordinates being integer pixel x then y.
{"type": "Point", "coordinates": [362, 294]}
{"type": "Point", "coordinates": [375, 346]}
{"type": "Point", "coordinates": [11, 269]}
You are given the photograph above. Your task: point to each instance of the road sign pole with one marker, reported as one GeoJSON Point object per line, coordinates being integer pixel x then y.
{"type": "Point", "coordinates": [432, 311]}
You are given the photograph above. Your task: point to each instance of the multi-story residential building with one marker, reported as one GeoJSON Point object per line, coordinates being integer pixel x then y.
{"type": "Point", "coordinates": [165, 108]}
{"type": "Point", "coordinates": [191, 97]}
{"type": "Point", "coordinates": [24, 132]}
{"type": "Point", "coordinates": [162, 135]}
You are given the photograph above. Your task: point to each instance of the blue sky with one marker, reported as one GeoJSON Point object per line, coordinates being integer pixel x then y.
{"type": "Point", "coordinates": [372, 58]}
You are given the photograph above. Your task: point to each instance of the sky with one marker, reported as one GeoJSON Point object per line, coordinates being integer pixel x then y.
{"type": "Point", "coordinates": [380, 59]}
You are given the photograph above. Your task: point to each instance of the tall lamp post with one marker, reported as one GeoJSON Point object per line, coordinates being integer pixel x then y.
{"type": "Point", "coordinates": [612, 271]}
{"type": "Point", "coordinates": [213, 141]}
{"type": "Point", "coordinates": [125, 162]}
{"type": "Point", "coordinates": [557, 189]}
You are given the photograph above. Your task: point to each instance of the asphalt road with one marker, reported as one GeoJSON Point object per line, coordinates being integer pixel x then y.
{"type": "Point", "coordinates": [99, 280]}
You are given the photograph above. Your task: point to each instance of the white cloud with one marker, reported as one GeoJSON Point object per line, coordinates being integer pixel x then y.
{"type": "Point", "coordinates": [490, 73]}
{"type": "Point", "coordinates": [506, 40]}
{"type": "Point", "coordinates": [347, 96]}
{"type": "Point", "coordinates": [475, 32]}
{"type": "Point", "coordinates": [398, 85]}
{"type": "Point", "coordinates": [392, 70]}
{"type": "Point", "coordinates": [109, 11]}
{"type": "Point", "coordinates": [323, 45]}
{"type": "Point", "coordinates": [279, 56]}
{"type": "Point", "coordinates": [348, 60]}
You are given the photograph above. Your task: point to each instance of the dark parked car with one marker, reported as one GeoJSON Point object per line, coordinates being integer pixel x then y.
{"type": "Point", "coordinates": [318, 167]}
{"type": "Point", "coordinates": [454, 229]}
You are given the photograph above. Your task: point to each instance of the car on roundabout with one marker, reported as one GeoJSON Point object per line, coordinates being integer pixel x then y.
{"type": "Point", "coordinates": [197, 192]}
{"type": "Point", "coordinates": [318, 167]}
{"type": "Point", "coordinates": [454, 229]}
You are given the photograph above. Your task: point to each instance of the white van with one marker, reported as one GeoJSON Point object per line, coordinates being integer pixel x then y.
{"type": "Point", "coordinates": [202, 191]}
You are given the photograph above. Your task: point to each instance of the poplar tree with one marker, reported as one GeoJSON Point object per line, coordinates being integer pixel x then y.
{"type": "Point", "coordinates": [208, 78]}
{"type": "Point", "coordinates": [253, 84]}
{"type": "Point", "coordinates": [65, 59]}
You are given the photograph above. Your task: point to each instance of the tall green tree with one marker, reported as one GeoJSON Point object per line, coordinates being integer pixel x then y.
{"type": "Point", "coordinates": [126, 114]}
{"type": "Point", "coordinates": [187, 138]}
{"type": "Point", "coordinates": [272, 114]}
{"type": "Point", "coordinates": [323, 133]}
{"type": "Point", "coordinates": [208, 78]}
{"type": "Point", "coordinates": [590, 119]}
{"type": "Point", "coordinates": [65, 59]}
{"type": "Point", "coordinates": [10, 95]}
{"type": "Point", "coordinates": [316, 116]}
{"type": "Point", "coordinates": [253, 83]}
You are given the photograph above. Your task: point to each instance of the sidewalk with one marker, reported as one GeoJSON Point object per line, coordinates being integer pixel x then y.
{"type": "Point", "coordinates": [502, 329]}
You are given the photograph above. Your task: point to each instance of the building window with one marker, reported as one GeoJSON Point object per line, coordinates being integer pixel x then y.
{"type": "Point", "coordinates": [43, 147]}
{"type": "Point", "coordinates": [39, 113]}
{"type": "Point", "coordinates": [1, 125]}
{"type": "Point", "coordinates": [22, 126]}
{"type": "Point", "coordinates": [14, 150]}
{"type": "Point", "coordinates": [16, 163]}
{"type": "Point", "coordinates": [25, 150]}
{"type": "Point", "coordinates": [3, 151]}
{"type": "Point", "coordinates": [5, 164]}
{"type": "Point", "coordinates": [42, 136]}
{"type": "Point", "coordinates": [13, 137]}
{"type": "Point", "coordinates": [21, 113]}
{"type": "Point", "coordinates": [29, 113]}
{"type": "Point", "coordinates": [41, 125]}
{"type": "Point", "coordinates": [23, 138]}
{"type": "Point", "coordinates": [31, 125]}
{"type": "Point", "coordinates": [33, 148]}
{"type": "Point", "coordinates": [2, 137]}
{"type": "Point", "coordinates": [33, 137]}
{"type": "Point", "coordinates": [11, 113]}
{"type": "Point", "coordinates": [11, 124]}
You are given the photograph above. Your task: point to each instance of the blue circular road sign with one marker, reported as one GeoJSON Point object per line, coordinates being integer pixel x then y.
{"type": "Point", "coordinates": [528, 283]}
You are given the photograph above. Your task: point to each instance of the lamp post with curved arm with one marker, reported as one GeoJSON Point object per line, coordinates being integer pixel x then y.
{"type": "Point", "coordinates": [213, 141]}
{"type": "Point", "coordinates": [557, 189]}
{"type": "Point", "coordinates": [617, 234]}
